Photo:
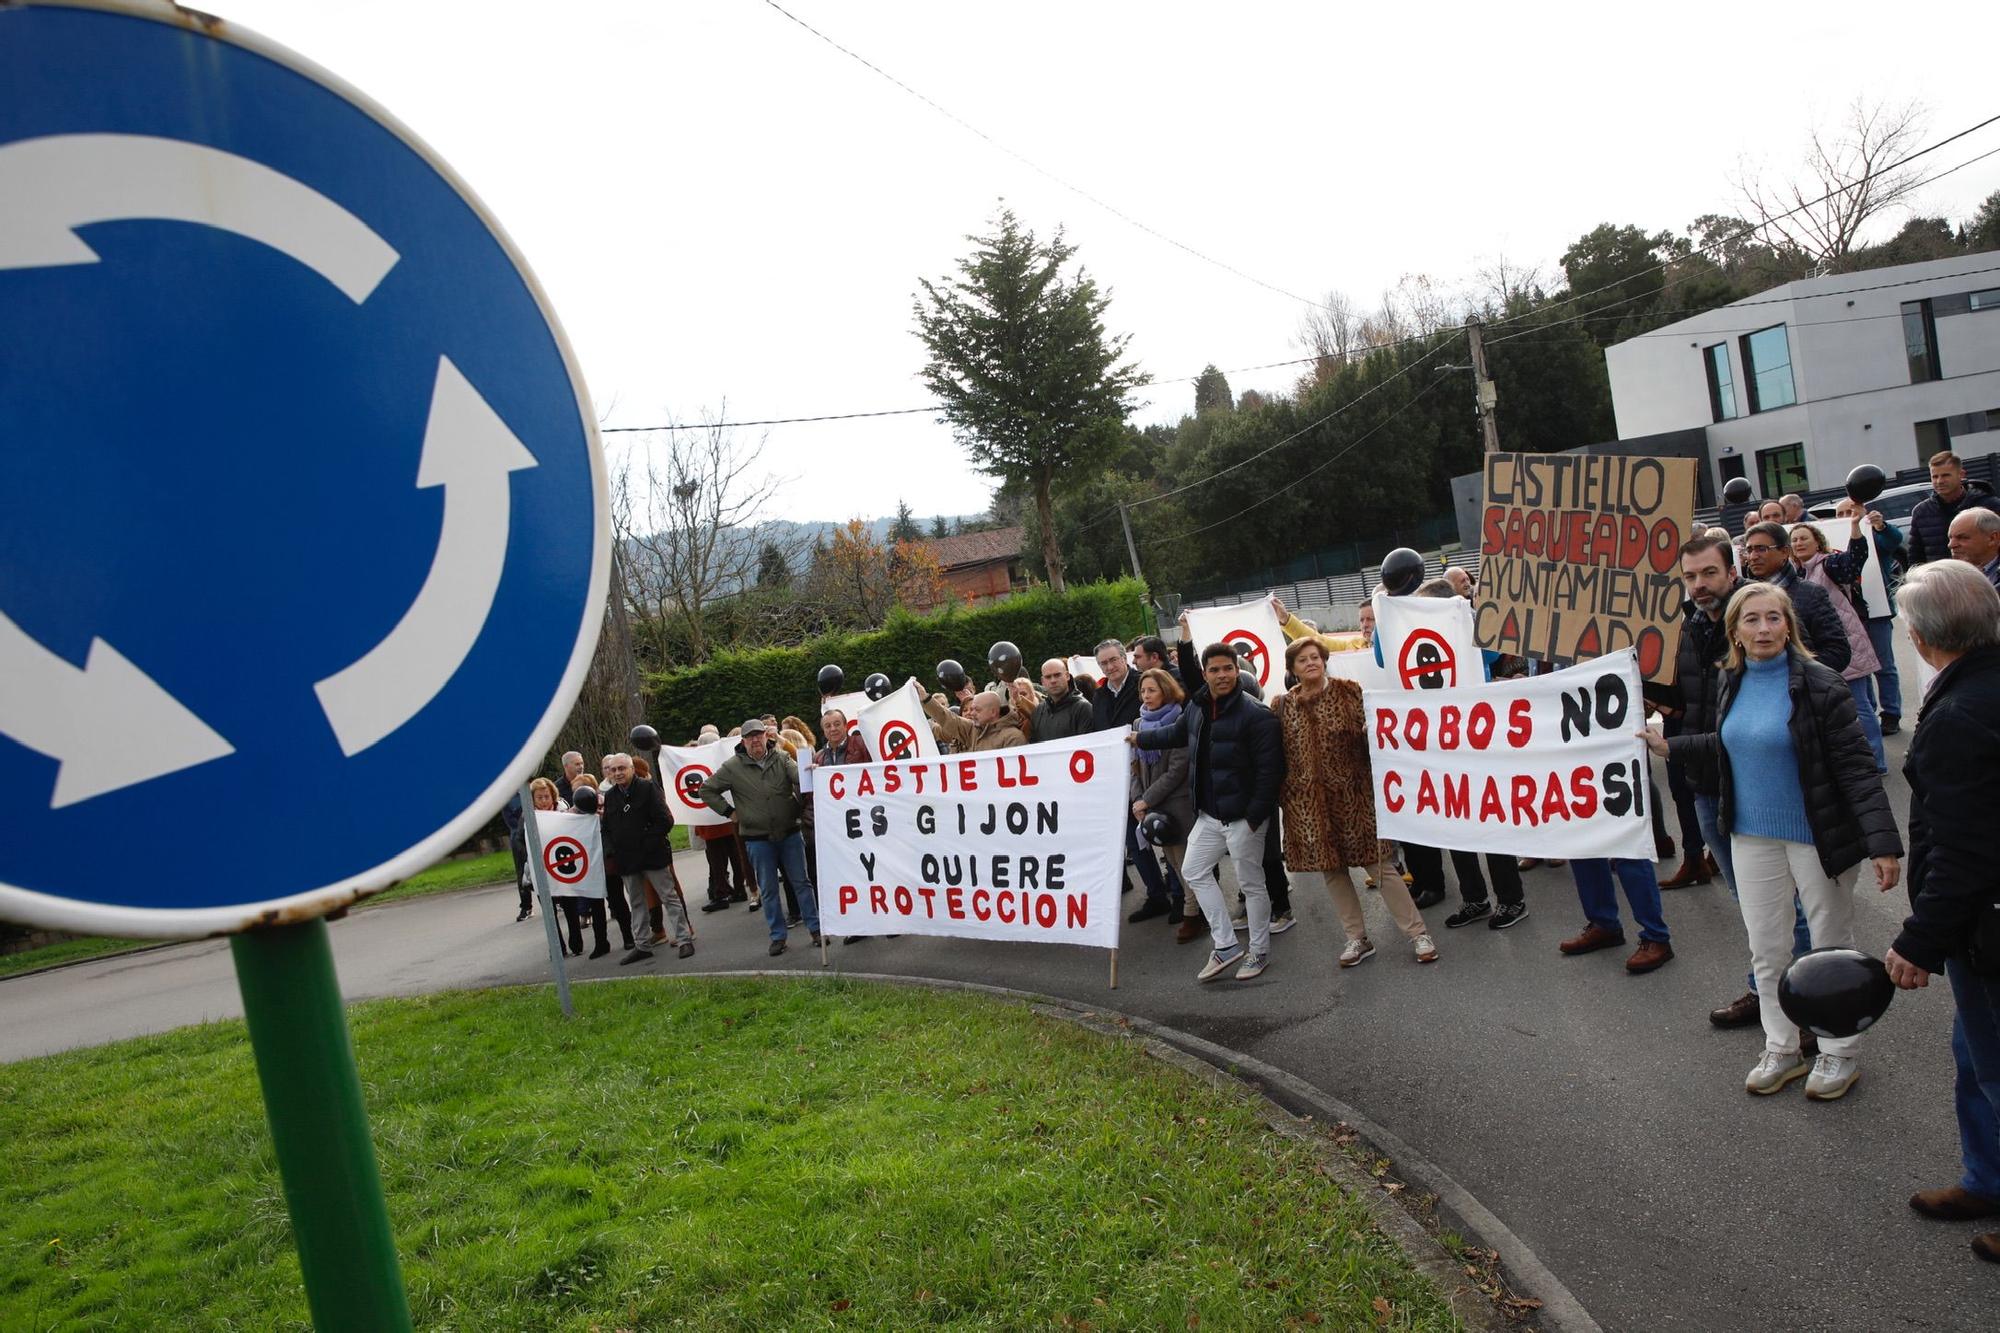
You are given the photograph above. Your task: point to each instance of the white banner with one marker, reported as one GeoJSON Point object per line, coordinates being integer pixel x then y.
{"type": "Point", "coordinates": [851, 705]}
{"type": "Point", "coordinates": [1547, 766]}
{"type": "Point", "coordinates": [683, 772]}
{"type": "Point", "coordinates": [1255, 626]}
{"type": "Point", "coordinates": [894, 726]}
{"type": "Point", "coordinates": [1018, 844]}
{"type": "Point", "coordinates": [1359, 664]}
{"type": "Point", "coordinates": [572, 854]}
{"type": "Point", "coordinates": [1428, 642]}
{"type": "Point", "coordinates": [1874, 587]}
{"type": "Point", "coordinates": [1085, 666]}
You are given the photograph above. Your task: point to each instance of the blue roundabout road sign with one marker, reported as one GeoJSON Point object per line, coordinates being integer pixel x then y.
{"type": "Point", "coordinates": [303, 525]}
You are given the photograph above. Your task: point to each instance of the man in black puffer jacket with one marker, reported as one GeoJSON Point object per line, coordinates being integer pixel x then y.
{"type": "Point", "coordinates": [1768, 553]}
{"type": "Point", "coordinates": [1951, 495]}
{"type": "Point", "coordinates": [1237, 764]}
{"type": "Point", "coordinates": [1954, 924]}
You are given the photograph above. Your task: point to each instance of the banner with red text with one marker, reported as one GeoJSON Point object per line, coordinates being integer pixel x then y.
{"type": "Point", "coordinates": [1580, 556]}
{"type": "Point", "coordinates": [1019, 844]}
{"type": "Point", "coordinates": [1254, 626]}
{"type": "Point", "coordinates": [682, 771]}
{"type": "Point", "coordinates": [1547, 766]}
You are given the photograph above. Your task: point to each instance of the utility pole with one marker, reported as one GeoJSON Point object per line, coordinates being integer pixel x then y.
{"type": "Point", "coordinates": [1131, 547]}
{"type": "Point", "coordinates": [1484, 395]}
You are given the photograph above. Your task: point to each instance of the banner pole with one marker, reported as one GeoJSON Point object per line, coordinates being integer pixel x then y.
{"type": "Point", "coordinates": [1114, 969]}
{"type": "Point", "coordinates": [533, 829]}
{"type": "Point", "coordinates": [319, 1127]}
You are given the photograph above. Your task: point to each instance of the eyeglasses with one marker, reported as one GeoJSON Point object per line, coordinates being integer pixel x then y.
{"type": "Point", "coordinates": [1755, 550]}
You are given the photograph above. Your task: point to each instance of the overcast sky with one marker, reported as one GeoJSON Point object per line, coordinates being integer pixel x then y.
{"type": "Point", "coordinates": [724, 208]}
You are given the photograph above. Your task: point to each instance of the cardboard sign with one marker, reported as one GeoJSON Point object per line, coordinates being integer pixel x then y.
{"type": "Point", "coordinates": [1542, 766]}
{"type": "Point", "coordinates": [1580, 556]}
{"type": "Point", "coordinates": [1018, 844]}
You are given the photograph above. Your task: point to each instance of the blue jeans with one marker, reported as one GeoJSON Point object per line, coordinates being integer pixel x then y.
{"type": "Point", "coordinates": [1600, 900]}
{"type": "Point", "coordinates": [1975, 1049]}
{"type": "Point", "coordinates": [1882, 635]}
{"type": "Point", "coordinates": [1871, 726]}
{"type": "Point", "coordinates": [1718, 847]}
{"type": "Point", "coordinates": [765, 855]}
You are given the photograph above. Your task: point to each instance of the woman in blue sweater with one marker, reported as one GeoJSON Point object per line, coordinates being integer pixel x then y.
{"type": "Point", "coordinates": [1802, 806]}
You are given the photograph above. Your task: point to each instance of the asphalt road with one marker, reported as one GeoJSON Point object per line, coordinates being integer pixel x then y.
{"type": "Point", "coordinates": [1597, 1114]}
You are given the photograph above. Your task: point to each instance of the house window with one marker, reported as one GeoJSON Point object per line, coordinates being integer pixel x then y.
{"type": "Point", "coordinates": [1782, 470]}
{"type": "Point", "coordinates": [1767, 369]}
{"type": "Point", "coordinates": [1964, 303]}
{"type": "Point", "coordinates": [1721, 387]}
{"type": "Point", "coordinates": [1986, 300]}
{"type": "Point", "coordinates": [1920, 341]}
{"type": "Point", "coordinates": [1932, 437]}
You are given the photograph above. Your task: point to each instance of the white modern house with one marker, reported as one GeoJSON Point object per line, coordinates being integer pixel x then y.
{"type": "Point", "coordinates": [1798, 384]}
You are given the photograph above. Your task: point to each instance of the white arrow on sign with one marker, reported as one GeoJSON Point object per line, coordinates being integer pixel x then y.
{"type": "Point", "coordinates": [53, 185]}
{"type": "Point", "coordinates": [469, 451]}
{"type": "Point", "coordinates": [108, 723]}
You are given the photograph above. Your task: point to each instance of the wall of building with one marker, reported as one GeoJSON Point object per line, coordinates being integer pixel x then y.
{"type": "Point", "coordinates": [1850, 370]}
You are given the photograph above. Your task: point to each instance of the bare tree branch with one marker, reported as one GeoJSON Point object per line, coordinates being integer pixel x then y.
{"type": "Point", "coordinates": [1847, 181]}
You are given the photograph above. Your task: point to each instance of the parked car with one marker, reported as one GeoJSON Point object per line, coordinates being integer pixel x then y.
{"type": "Point", "coordinates": [1893, 504]}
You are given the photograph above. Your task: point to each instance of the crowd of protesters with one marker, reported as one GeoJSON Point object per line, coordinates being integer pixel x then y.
{"type": "Point", "coordinates": [1771, 730]}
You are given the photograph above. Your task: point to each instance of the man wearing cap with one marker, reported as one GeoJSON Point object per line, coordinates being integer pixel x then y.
{"type": "Point", "coordinates": [758, 787]}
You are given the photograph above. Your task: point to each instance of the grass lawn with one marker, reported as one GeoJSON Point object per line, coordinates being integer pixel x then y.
{"type": "Point", "coordinates": [494, 868]}
{"type": "Point", "coordinates": [710, 1154]}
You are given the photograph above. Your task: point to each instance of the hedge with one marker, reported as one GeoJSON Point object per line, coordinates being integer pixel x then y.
{"type": "Point", "coordinates": [733, 686]}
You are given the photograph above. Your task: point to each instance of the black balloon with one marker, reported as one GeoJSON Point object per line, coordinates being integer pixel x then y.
{"type": "Point", "coordinates": [951, 675]}
{"type": "Point", "coordinates": [1737, 490]}
{"type": "Point", "coordinates": [832, 680]}
{"type": "Point", "coordinates": [877, 686]}
{"type": "Point", "coordinates": [1005, 659]}
{"type": "Point", "coordinates": [584, 800]}
{"type": "Point", "coordinates": [1402, 571]}
{"type": "Point", "coordinates": [1155, 828]}
{"type": "Point", "coordinates": [1865, 483]}
{"type": "Point", "coordinates": [1835, 992]}
{"type": "Point", "coordinates": [645, 739]}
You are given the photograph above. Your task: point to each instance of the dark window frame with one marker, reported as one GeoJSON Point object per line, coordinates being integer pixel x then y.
{"type": "Point", "coordinates": [1755, 399]}
{"type": "Point", "coordinates": [1716, 384]}
{"type": "Point", "coordinates": [1926, 313]}
{"type": "Point", "coordinates": [1773, 487]}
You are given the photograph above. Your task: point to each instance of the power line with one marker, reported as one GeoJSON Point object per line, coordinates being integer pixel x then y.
{"type": "Point", "coordinates": [1350, 403]}
{"type": "Point", "coordinates": [769, 421]}
{"type": "Point", "coordinates": [1292, 483]}
{"type": "Point", "coordinates": [1030, 163]}
{"type": "Point", "coordinates": [1757, 227]}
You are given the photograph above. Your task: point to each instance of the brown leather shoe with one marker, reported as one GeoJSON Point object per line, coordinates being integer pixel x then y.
{"type": "Point", "coordinates": [1953, 1203]}
{"type": "Point", "coordinates": [1592, 939]}
{"type": "Point", "coordinates": [1650, 956]}
{"type": "Point", "coordinates": [1708, 865]}
{"type": "Point", "coordinates": [1689, 873]}
{"type": "Point", "coordinates": [1987, 1246]}
{"type": "Point", "coordinates": [1738, 1013]}
{"type": "Point", "coordinates": [1190, 928]}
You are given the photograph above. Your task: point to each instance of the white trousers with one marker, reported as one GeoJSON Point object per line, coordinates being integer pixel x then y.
{"type": "Point", "coordinates": [1206, 843]}
{"type": "Point", "coordinates": [1768, 872]}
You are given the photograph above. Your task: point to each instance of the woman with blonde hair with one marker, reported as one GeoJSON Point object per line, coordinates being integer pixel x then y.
{"type": "Point", "coordinates": [1327, 800]}
{"type": "Point", "coordinates": [1802, 806]}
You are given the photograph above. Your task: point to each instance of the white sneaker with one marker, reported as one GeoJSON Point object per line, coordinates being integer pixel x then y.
{"type": "Point", "coordinates": [1283, 922]}
{"type": "Point", "coordinates": [1426, 948]}
{"type": "Point", "coordinates": [1253, 966]}
{"type": "Point", "coordinates": [1773, 1072]}
{"type": "Point", "coordinates": [1831, 1077]}
{"type": "Point", "coordinates": [1220, 961]}
{"type": "Point", "coordinates": [1239, 919]}
{"type": "Point", "coordinates": [1357, 951]}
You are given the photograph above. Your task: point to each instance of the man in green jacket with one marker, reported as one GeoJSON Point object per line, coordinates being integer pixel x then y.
{"type": "Point", "coordinates": [758, 787]}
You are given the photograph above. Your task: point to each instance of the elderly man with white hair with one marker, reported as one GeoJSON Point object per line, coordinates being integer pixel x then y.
{"type": "Point", "coordinates": [636, 827]}
{"type": "Point", "coordinates": [1974, 537]}
{"type": "Point", "coordinates": [1953, 616]}
{"type": "Point", "coordinates": [984, 723]}
{"type": "Point", "coordinates": [572, 767]}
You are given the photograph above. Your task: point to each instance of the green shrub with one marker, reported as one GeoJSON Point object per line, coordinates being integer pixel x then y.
{"type": "Point", "coordinates": [735, 685]}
